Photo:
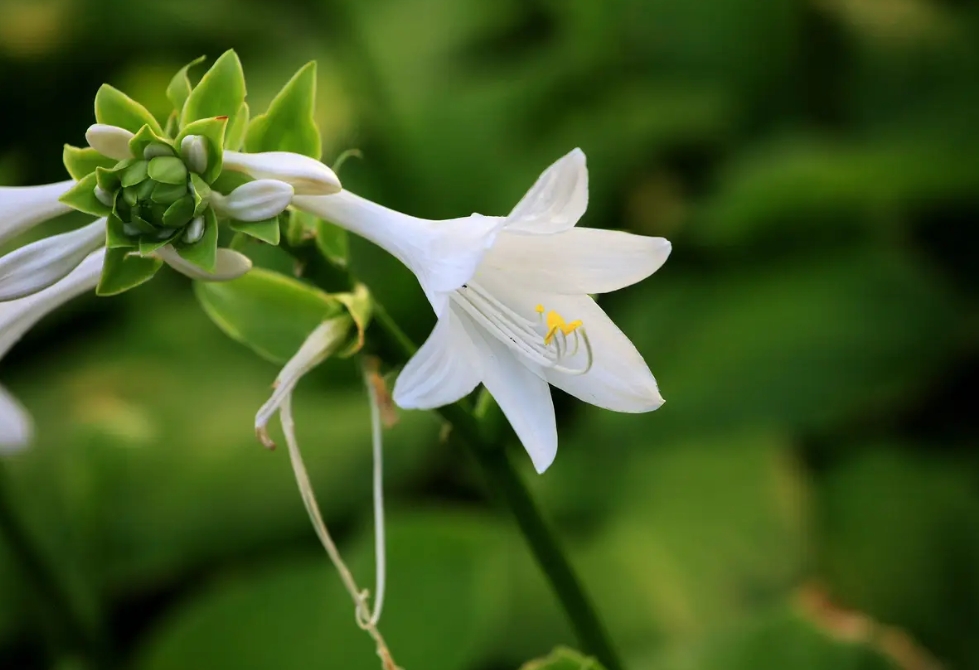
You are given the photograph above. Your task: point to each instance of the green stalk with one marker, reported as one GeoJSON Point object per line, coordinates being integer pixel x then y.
{"type": "Point", "coordinates": [488, 446]}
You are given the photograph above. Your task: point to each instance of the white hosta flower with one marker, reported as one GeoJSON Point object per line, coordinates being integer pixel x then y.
{"type": "Point", "coordinates": [40, 264]}
{"type": "Point", "coordinates": [442, 254]}
{"type": "Point", "coordinates": [19, 316]}
{"type": "Point", "coordinates": [255, 201]}
{"type": "Point", "coordinates": [230, 264]}
{"type": "Point", "coordinates": [307, 175]}
{"type": "Point", "coordinates": [23, 207]}
{"type": "Point", "coordinates": [524, 319]}
{"type": "Point", "coordinates": [110, 141]}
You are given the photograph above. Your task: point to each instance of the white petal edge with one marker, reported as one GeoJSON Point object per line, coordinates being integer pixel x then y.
{"type": "Point", "coordinates": [445, 368]}
{"type": "Point", "coordinates": [307, 175]}
{"type": "Point", "coordinates": [556, 201]}
{"type": "Point", "coordinates": [23, 207]}
{"type": "Point", "coordinates": [443, 255]}
{"type": "Point", "coordinates": [522, 394]}
{"type": "Point", "coordinates": [110, 141]}
{"type": "Point", "coordinates": [619, 379]}
{"type": "Point", "coordinates": [41, 264]}
{"type": "Point", "coordinates": [16, 427]}
{"type": "Point", "coordinates": [576, 261]}
{"type": "Point", "coordinates": [230, 265]}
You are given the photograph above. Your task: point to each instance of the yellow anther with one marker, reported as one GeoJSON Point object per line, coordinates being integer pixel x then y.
{"type": "Point", "coordinates": [571, 327]}
{"type": "Point", "coordinates": [540, 309]}
{"type": "Point", "coordinates": [556, 322]}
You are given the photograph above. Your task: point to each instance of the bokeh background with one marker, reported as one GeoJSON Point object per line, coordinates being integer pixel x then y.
{"type": "Point", "coordinates": [807, 498]}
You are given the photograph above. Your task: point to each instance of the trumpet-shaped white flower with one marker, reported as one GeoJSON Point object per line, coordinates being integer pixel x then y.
{"type": "Point", "coordinates": [524, 318]}
{"type": "Point", "coordinates": [40, 264]}
{"type": "Point", "coordinates": [23, 207]}
{"type": "Point", "coordinates": [442, 254]}
{"type": "Point", "coordinates": [19, 316]}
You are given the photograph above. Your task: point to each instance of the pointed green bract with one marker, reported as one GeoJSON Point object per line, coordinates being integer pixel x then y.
{"type": "Point", "coordinates": [115, 234]}
{"type": "Point", "coordinates": [201, 192]}
{"type": "Point", "coordinates": [82, 162]}
{"type": "Point", "coordinates": [236, 133]}
{"type": "Point", "coordinates": [332, 242]}
{"type": "Point", "coordinates": [179, 213]}
{"type": "Point", "coordinates": [267, 231]}
{"type": "Point", "coordinates": [179, 88]}
{"type": "Point", "coordinates": [146, 138]}
{"type": "Point", "coordinates": [360, 306]}
{"type": "Point", "coordinates": [212, 130]}
{"type": "Point", "coordinates": [221, 92]}
{"type": "Point", "coordinates": [204, 252]}
{"type": "Point", "coordinates": [147, 246]}
{"type": "Point", "coordinates": [82, 197]}
{"type": "Point", "coordinates": [168, 170]}
{"type": "Point", "coordinates": [123, 270]}
{"type": "Point", "coordinates": [289, 125]}
{"type": "Point", "coordinates": [115, 108]}
{"type": "Point", "coordinates": [266, 311]}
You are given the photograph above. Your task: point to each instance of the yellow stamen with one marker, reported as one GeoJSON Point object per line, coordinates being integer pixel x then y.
{"type": "Point", "coordinates": [540, 309]}
{"type": "Point", "coordinates": [556, 322]}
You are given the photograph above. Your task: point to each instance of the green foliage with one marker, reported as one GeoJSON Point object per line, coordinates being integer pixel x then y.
{"type": "Point", "coordinates": [213, 131]}
{"type": "Point", "coordinates": [563, 659]}
{"type": "Point", "coordinates": [81, 197]}
{"type": "Point", "coordinates": [180, 87]}
{"type": "Point", "coordinates": [220, 92]}
{"type": "Point", "coordinates": [124, 270]}
{"type": "Point", "coordinates": [266, 231]}
{"type": "Point", "coordinates": [115, 108]}
{"type": "Point", "coordinates": [268, 312]}
{"type": "Point", "coordinates": [289, 123]}
{"type": "Point", "coordinates": [80, 163]}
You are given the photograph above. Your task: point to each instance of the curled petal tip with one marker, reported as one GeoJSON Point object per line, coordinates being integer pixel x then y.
{"type": "Point", "coordinates": [262, 433]}
{"type": "Point", "coordinates": [307, 176]}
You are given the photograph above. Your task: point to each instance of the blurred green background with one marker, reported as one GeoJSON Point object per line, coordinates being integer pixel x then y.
{"type": "Point", "coordinates": [807, 498]}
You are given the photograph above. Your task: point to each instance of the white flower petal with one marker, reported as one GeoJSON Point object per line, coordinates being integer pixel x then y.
{"type": "Point", "coordinates": [523, 396]}
{"type": "Point", "coordinates": [445, 369]}
{"type": "Point", "coordinates": [23, 207]}
{"type": "Point", "coordinates": [307, 175]}
{"type": "Point", "coordinates": [579, 260]}
{"type": "Point", "coordinates": [40, 264]}
{"type": "Point", "coordinates": [15, 424]}
{"type": "Point", "coordinates": [18, 316]}
{"type": "Point", "coordinates": [255, 201]}
{"type": "Point", "coordinates": [442, 254]}
{"type": "Point", "coordinates": [110, 141]}
{"type": "Point", "coordinates": [556, 201]}
{"type": "Point", "coordinates": [230, 264]}
{"type": "Point", "coordinates": [619, 378]}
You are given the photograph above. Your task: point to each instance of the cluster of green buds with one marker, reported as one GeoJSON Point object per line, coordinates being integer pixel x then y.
{"type": "Point", "coordinates": [166, 193]}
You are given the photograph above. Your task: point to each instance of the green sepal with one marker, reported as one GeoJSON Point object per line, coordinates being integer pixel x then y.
{"type": "Point", "coordinates": [82, 162]}
{"type": "Point", "coordinates": [333, 242]}
{"type": "Point", "coordinates": [204, 252]}
{"type": "Point", "coordinates": [220, 92]}
{"type": "Point", "coordinates": [179, 213]}
{"type": "Point", "coordinates": [168, 170]}
{"type": "Point", "coordinates": [268, 312]}
{"type": "Point", "coordinates": [124, 269]}
{"type": "Point", "coordinates": [229, 181]}
{"type": "Point", "coordinates": [110, 179]}
{"type": "Point", "coordinates": [166, 194]}
{"type": "Point", "coordinates": [267, 230]}
{"type": "Point", "coordinates": [115, 108]}
{"type": "Point", "coordinates": [236, 134]}
{"type": "Point", "coordinates": [115, 235]}
{"type": "Point", "coordinates": [142, 225]}
{"type": "Point", "coordinates": [201, 192]}
{"type": "Point", "coordinates": [289, 123]}
{"type": "Point", "coordinates": [81, 197]}
{"type": "Point", "coordinates": [212, 130]}
{"type": "Point", "coordinates": [360, 305]}
{"type": "Point", "coordinates": [134, 174]}
{"type": "Point", "coordinates": [147, 245]}
{"type": "Point", "coordinates": [146, 137]}
{"type": "Point", "coordinates": [179, 88]}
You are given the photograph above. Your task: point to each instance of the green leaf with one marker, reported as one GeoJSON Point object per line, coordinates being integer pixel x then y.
{"type": "Point", "coordinates": [563, 658]}
{"type": "Point", "coordinates": [236, 133]}
{"type": "Point", "coordinates": [203, 253]}
{"type": "Point", "coordinates": [134, 174]}
{"type": "Point", "coordinates": [360, 306]}
{"type": "Point", "coordinates": [124, 270]}
{"type": "Point", "coordinates": [179, 88]}
{"type": "Point", "coordinates": [201, 192]}
{"type": "Point", "coordinates": [300, 226]}
{"type": "Point", "coordinates": [82, 197]}
{"type": "Point", "coordinates": [289, 123]}
{"type": "Point", "coordinates": [179, 213]}
{"type": "Point", "coordinates": [229, 181]}
{"type": "Point", "coordinates": [82, 162]}
{"type": "Point", "coordinates": [266, 311]}
{"type": "Point", "coordinates": [147, 245]}
{"type": "Point", "coordinates": [267, 231]}
{"type": "Point", "coordinates": [221, 92]}
{"type": "Point", "coordinates": [212, 130]}
{"type": "Point", "coordinates": [115, 235]}
{"type": "Point", "coordinates": [168, 169]}
{"type": "Point", "coordinates": [332, 241]}
{"type": "Point", "coordinates": [115, 108]}
{"type": "Point", "coordinates": [166, 194]}
{"type": "Point", "coordinates": [146, 138]}
{"type": "Point", "coordinates": [110, 179]}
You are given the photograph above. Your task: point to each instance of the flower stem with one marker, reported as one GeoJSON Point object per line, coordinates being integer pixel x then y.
{"type": "Point", "coordinates": [69, 630]}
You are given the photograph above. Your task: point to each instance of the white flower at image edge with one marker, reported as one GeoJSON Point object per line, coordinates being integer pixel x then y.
{"type": "Point", "coordinates": [19, 316]}
{"type": "Point", "coordinates": [523, 318]}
